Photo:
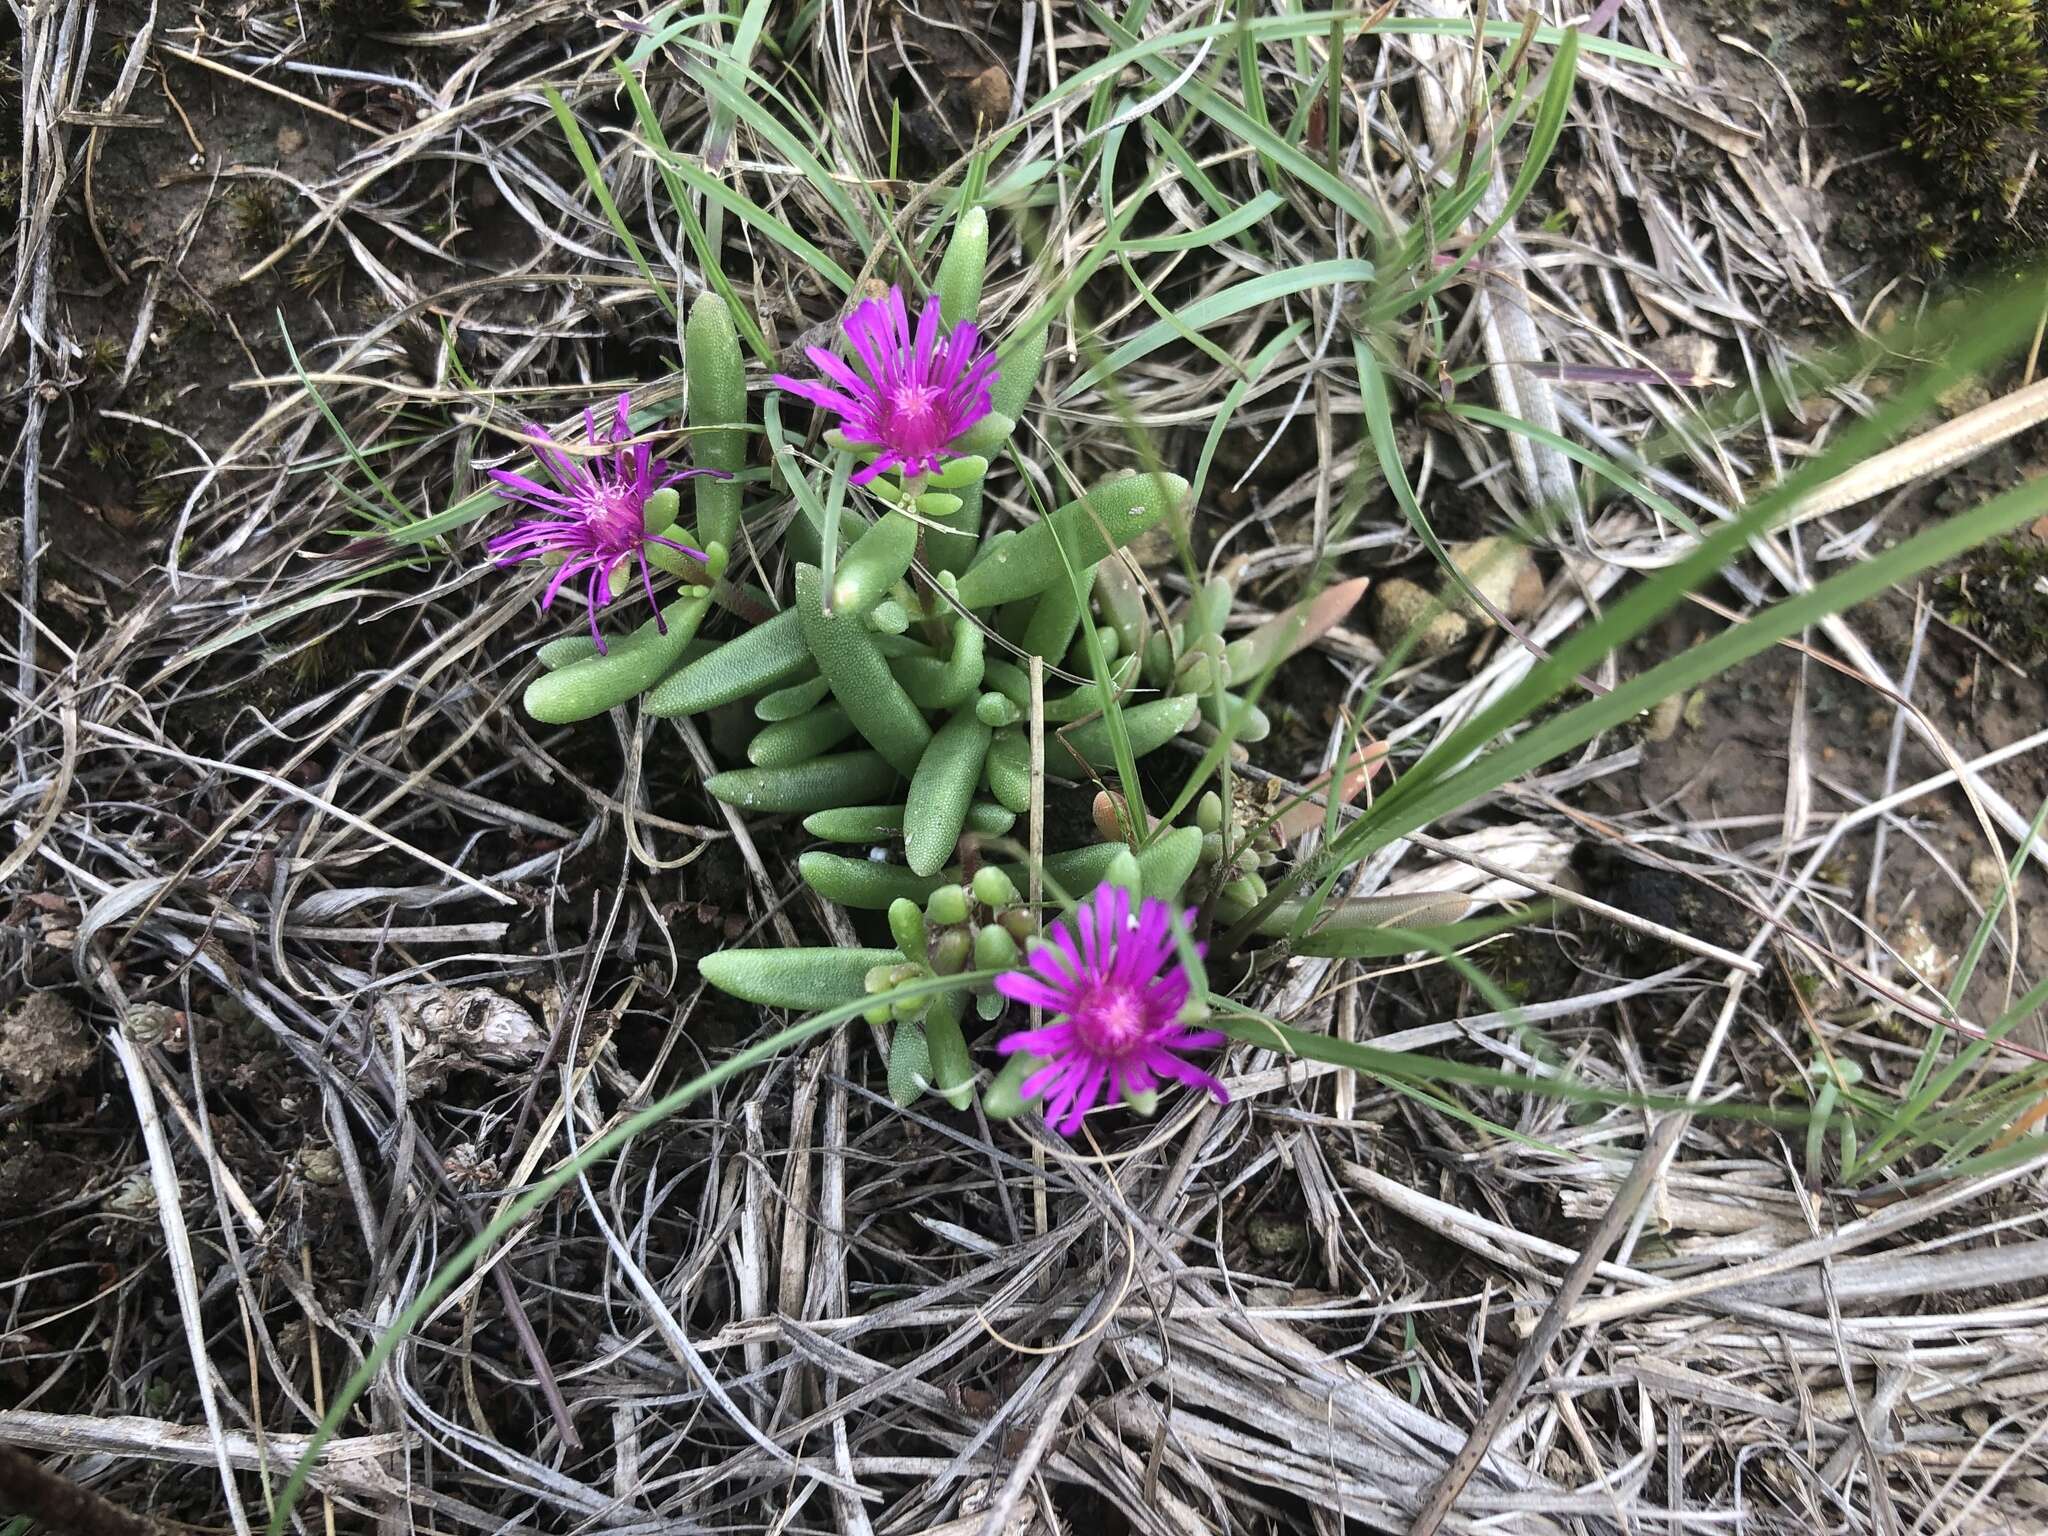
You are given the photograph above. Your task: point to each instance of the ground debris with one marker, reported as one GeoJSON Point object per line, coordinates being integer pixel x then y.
{"type": "Point", "coordinates": [443, 1030]}
{"type": "Point", "coordinates": [44, 1044]}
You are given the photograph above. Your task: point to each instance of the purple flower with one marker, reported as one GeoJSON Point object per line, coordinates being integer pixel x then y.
{"type": "Point", "coordinates": [913, 396]}
{"type": "Point", "coordinates": [595, 514]}
{"type": "Point", "coordinates": [1119, 992]}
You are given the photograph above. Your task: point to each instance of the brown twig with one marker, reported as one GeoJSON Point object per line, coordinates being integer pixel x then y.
{"type": "Point", "coordinates": [29, 1488]}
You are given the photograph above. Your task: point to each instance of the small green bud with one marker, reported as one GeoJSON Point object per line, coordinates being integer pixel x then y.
{"type": "Point", "coordinates": [1003, 1099]}
{"type": "Point", "coordinates": [878, 978]}
{"type": "Point", "coordinates": [994, 950]}
{"type": "Point", "coordinates": [906, 926]}
{"type": "Point", "coordinates": [989, 1005]}
{"type": "Point", "coordinates": [950, 952]}
{"type": "Point", "coordinates": [1020, 923]}
{"type": "Point", "coordinates": [716, 558]}
{"type": "Point", "coordinates": [995, 711]}
{"type": "Point", "coordinates": [947, 906]}
{"type": "Point", "coordinates": [1209, 811]}
{"type": "Point", "coordinates": [888, 617]}
{"type": "Point", "coordinates": [993, 888]}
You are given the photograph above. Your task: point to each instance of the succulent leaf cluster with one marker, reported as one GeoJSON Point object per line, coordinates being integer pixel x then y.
{"type": "Point", "coordinates": [889, 693]}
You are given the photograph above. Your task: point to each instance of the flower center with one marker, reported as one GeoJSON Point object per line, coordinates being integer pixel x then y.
{"type": "Point", "coordinates": [913, 420]}
{"type": "Point", "coordinates": [617, 514]}
{"type": "Point", "coordinates": [1111, 1021]}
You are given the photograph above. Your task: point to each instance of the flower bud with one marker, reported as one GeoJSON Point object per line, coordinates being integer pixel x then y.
{"type": "Point", "coordinates": [994, 949]}
{"type": "Point", "coordinates": [950, 952]}
{"type": "Point", "coordinates": [993, 888]}
{"type": "Point", "coordinates": [906, 926]}
{"type": "Point", "coordinates": [947, 906]}
{"type": "Point", "coordinates": [996, 711]}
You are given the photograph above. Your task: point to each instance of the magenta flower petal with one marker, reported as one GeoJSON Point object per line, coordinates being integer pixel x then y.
{"type": "Point", "coordinates": [595, 514]}
{"type": "Point", "coordinates": [908, 394]}
{"type": "Point", "coordinates": [1116, 988]}
{"type": "Point", "coordinates": [1030, 991]}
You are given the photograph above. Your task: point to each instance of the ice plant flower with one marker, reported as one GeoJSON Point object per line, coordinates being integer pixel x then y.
{"type": "Point", "coordinates": [912, 396]}
{"type": "Point", "coordinates": [594, 515]}
{"type": "Point", "coordinates": [1118, 990]}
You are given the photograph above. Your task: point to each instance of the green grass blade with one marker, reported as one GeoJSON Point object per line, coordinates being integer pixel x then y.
{"type": "Point", "coordinates": [1221, 305]}
{"type": "Point", "coordinates": [593, 173]}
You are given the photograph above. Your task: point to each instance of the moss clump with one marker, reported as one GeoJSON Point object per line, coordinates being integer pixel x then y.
{"type": "Point", "coordinates": [1957, 76]}
{"type": "Point", "coordinates": [257, 213]}
{"type": "Point", "coordinates": [2000, 594]}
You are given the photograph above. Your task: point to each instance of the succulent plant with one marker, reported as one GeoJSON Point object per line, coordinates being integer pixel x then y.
{"type": "Point", "coordinates": [892, 693]}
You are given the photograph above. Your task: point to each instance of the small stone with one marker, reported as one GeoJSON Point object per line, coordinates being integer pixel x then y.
{"type": "Point", "coordinates": [988, 94]}
{"type": "Point", "coordinates": [320, 1165]}
{"type": "Point", "coordinates": [1987, 878]}
{"type": "Point", "coordinates": [1916, 948]}
{"type": "Point", "coordinates": [290, 141]}
{"type": "Point", "coordinates": [1498, 568]}
{"type": "Point", "coordinates": [1660, 720]}
{"type": "Point", "coordinates": [1403, 606]}
{"type": "Point", "coordinates": [44, 1045]}
{"type": "Point", "coordinates": [1275, 1237]}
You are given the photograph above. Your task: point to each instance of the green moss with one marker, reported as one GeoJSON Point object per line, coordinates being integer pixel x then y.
{"type": "Point", "coordinates": [321, 272]}
{"type": "Point", "coordinates": [2000, 594]}
{"type": "Point", "coordinates": [257, 213]}
{"type": "Point", "coordinates": [1956, 76]}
